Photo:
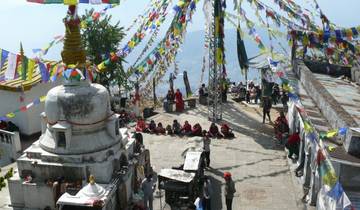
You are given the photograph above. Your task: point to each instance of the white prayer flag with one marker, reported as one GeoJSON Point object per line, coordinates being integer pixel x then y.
{"type": "Point", "coordinates": [95, 1]}
{"type": "Point", "coordinates": [11, 68]}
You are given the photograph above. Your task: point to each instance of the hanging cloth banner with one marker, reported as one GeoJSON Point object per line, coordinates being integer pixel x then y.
{"type": "Point", "coordinates": [241, 51]}
{"type": "Point", "coordinates": [11, 68]}
{"type": "Point", "coordinates": [3, 56]}
{"type": "Point", "coordinates": [35, 102]}
{"type": "Point", "coordinates": [74, 2]}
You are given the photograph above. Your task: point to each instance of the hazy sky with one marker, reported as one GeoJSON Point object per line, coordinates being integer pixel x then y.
{"type": "Point", "coordinates": [35, 25]}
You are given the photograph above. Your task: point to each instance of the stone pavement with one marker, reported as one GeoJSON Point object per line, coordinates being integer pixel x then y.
{"type": "Point", "coordinates": [260, 168]}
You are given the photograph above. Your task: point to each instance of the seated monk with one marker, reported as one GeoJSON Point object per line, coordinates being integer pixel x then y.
{"type": "Point", "coordinates": [226, 131]}
{"type": "Point", "coordinates": [176, 127]}
{"type": "Point", "coordinates": [169, 130]}
{"type": "Point", "coordinates": [141, 126]}
{"type": "Point", "coordinates": [186, 129]}
{"type": "Point", "coordinates": [214, 131]}
{"type": "Point", "coordinates": [160, 129]}
{"type": "Point", "coordinates": [197, 130]}
{"type": "Point", "coordinates": [281, 126]}
{"type": "Point", "coordinates": [293, 144]}
{"type": "Point", "coordinates": [152, 126]}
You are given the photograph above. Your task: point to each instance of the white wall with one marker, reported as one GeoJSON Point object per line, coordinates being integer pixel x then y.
{"type": "Point", "coordinates": [29, 121]}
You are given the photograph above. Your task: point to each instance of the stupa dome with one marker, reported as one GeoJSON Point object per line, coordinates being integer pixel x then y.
{"type": "Point", "coordinates": [82, 105]}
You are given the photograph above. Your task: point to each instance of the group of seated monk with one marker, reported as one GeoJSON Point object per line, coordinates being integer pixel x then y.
{"type": "Point", "coordinates": [185, 130]}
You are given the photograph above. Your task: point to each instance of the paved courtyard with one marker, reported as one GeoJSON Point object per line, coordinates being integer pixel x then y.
{"type": "Point", "coordinates": [260, 168]}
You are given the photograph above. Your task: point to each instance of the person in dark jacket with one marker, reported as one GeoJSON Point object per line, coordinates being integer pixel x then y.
{"type": "Point", "coordinates": [266, 108]}
{"type": "Point", "coordinates": [229, 190]}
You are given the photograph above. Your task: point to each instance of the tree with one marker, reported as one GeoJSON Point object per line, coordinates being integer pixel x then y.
{"type": "Point", "coordinates": [7, 176]}
{"type": "Point", "coordinates": [100, 38]}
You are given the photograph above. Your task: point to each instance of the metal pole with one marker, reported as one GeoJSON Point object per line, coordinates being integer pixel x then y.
{"type": "Point", "coordinates": [215, 68]}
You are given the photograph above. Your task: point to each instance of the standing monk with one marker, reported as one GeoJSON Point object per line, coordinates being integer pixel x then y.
{"type": "Point", "coordinates": [229, 190]}
{"type": "Point", "coordinates": [266, 108]}
{"type": "Point", "coordinates": [179, 101]}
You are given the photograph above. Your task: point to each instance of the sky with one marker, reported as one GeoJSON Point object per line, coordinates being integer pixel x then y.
{"type": "Point", "coordinates": [35, 25]}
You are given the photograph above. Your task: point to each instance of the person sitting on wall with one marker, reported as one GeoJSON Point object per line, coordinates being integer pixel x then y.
{"type": "Point", "coordinates": [3, 125]}
{"type": "Point", "coordinates": [196, 130]}
{"type": "Point", "coordinates": [176, 127]}
{"type": "Point", "coordinates": [152, 127]}
{"type": "Point", "coordinates": [293, 144]}
{"type": "Point", "coordinates": [281, 126]}
{"type": "Point", "coordinates": [160, 129]}
{"type": "Point", "coordinates": [214, 131]}
{"type": "Point", "coordinates": [186, 129]}
{"type": "Point", "coordinates": [12, 127]}
{"type": "Point", "coordinates": [226, 131]}
{"type": "Point", "coordinates": [179, 101]}
{"type": "Point", "coordinates": [169, 130]}
{"type": "Point", "coordinates": [203, 92]}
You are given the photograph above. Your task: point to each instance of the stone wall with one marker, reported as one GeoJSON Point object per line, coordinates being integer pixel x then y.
{"type": "Point", "coordinates": [330, 108]}
{"type": "Point", "coordinates": [355, 74]}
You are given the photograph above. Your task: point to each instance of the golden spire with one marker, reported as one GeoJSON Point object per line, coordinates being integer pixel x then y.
{"type": "Point", "coordinates": [92, 179]}
{"type": "Point", "coordinates": [73, 52]}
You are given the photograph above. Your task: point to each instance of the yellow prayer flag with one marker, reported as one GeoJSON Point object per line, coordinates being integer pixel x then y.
{"type": "Point", "coordinates": [307, 127]}
{"type": "Point", "coordinates": [101, 67]}
{"type": "Point", "coordinates": [42, 98]}
{"type": "Point", "coordinates": [31, 67]}
{"type": "Point", "coordinates": [10, 115]}
{"type": "Point", "coordinates": [70, 2]}
{"type": "Point", "coordinates": [332, 133]}
{"type": "Point", "coordinates": [181, 3]}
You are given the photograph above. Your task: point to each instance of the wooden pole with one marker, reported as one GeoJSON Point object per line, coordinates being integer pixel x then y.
{"type": "Point", "coordinates": [154, 92]}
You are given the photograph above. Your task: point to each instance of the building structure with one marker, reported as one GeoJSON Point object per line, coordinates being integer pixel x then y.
{"type": "Point", "coordinates": [17, 93]}
{"type": "Point", "coordinates": [80, 141]}
{"type": "Point", "coordinates": [330, 103]}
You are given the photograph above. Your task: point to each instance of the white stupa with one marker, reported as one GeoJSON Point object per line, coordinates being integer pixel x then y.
{"type": "Point", "coordinates": [80, 137]}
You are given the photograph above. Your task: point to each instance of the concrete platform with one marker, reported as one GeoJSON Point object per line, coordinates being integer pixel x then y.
{"type": "Point", "coordinates": [259, 167]}
{"type": "Point", "coordinates": [345, 93]}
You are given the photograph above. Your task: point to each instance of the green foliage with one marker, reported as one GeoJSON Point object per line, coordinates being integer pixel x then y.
{"type": "Point", "coordinates": [7, 176]}
{"type": "Point", "coordinates": [100, 38]}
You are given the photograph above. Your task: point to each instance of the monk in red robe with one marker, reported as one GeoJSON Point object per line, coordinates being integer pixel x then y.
{"type": "Point", "coordinates": [179, 101]}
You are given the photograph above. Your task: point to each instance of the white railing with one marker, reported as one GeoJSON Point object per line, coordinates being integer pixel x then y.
{"type": "Point", "coordinates": [12, 138]}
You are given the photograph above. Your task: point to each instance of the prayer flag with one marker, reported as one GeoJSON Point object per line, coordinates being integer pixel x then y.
{"type": "Point", "coordinates": [332, 133]}
{"type": "Point", "coordinates": [24, 67]}
{"type": "Point", "coordinates": [95, 1]}
{"type": "Point", "coordinates": [10, 115]}
{"type": "Point", "coordinates": [42, 98]}
{"type": "Point", "coordinates": [307, 127]}
{"type": "Point", "coordinates": [36, 101]}
{"type": "Point", "coordinates": [31, 67]}
{"type": "Point", "coordinates": [70, 2]}
{"type": "Point", "coordinates": [326, 171]}
{"type": "Point", "coordinates": [45, 76]}
{"type": "Point", "coordinates": [23, 109]}
{"type": "Point", "coordinates": [29, 105]}
{"type": "Point", "coordinates": [3, 118]}
{"type": "Point", "coordinates": [342, 131]}
{"type": "Point", "coordinates": [36, 50]}
{"type": "Point", "coordinates": [3, 56]}
{"type": "Point", "coordinates": [11, 68]}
